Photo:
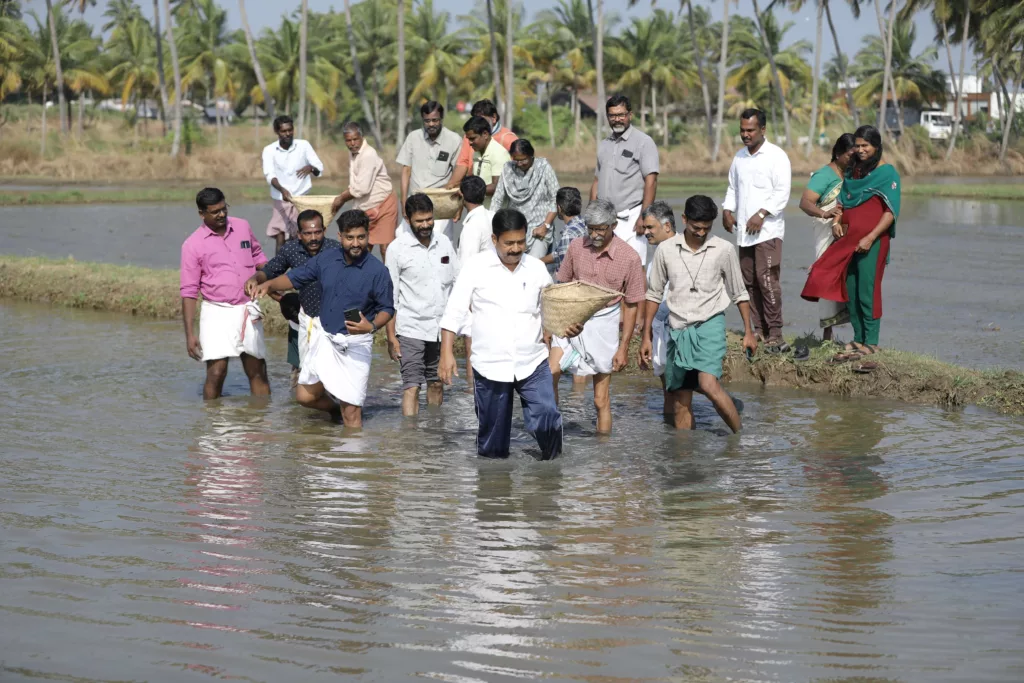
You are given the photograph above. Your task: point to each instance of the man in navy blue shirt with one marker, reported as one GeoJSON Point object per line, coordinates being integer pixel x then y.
{"type": "Point", "coordinates": [357, 300]}
{"type": "Point", "coordinates": [292, 254]}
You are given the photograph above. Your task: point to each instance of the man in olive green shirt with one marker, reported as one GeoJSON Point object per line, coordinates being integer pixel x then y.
{"type": "Point", "coordinates": [490, 157]}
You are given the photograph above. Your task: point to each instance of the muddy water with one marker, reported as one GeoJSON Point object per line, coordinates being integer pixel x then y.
{"type": "Point", "coordinates": [949, 290]}
{"type": "Point", "coordinates": [147, 536]}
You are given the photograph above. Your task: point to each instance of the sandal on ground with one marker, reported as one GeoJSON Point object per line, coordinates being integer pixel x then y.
{"type": "Point", "coordinates": [776, 346]}
{"type": "Point", "coordinates": [841, 358]}
{"type": "Point", "coordinates": [865, 368]}
{"type": "Point", "coordinates": [801, 353]}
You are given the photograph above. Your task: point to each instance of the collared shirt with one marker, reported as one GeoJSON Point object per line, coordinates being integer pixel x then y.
{"type": "Point", "coordinates": [284, 164]}
{"type": "Point", "coordinates": [714, 270]}
{"type": "Point", "coordinates": [622, 164]}
{"type": "Point", "coordinates": [292, 255]}
{"type": "Point", "coordinates": [759, 181]}
{"type": "Point", "coordinates": [431, 161]}
{"type": "Point", "coordinates": [618, 267]}
{"type": "Point", "coordinates": [368, 179]}
{"type": "Point", "coordinates": [217, 267]}
{"type": "Point", "coordinates": [422, 277]}
{"type": "Point", "coordinates": [573, 228]}
{"type": "Point", "coordinates": [508, 341]}
{"type": "Point", "coordinates": [364, 284]}
{"type": "Point", "coordinates": [476, 233]}
{"type": "Point", "coordinates": [489, 164]}
{"type": "Point", "coordinates": [502, 135]}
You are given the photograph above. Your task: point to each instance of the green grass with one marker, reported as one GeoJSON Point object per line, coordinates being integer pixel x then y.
{"type": "Point", "coordinates": [901, 375]}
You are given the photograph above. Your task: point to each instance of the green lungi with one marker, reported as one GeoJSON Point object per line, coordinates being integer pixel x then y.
{"type": "Point", "coordinates": [699, 347]}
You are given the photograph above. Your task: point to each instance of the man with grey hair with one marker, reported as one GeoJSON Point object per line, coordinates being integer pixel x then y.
{"type": "Point", "coordinates": [604, 259]}
{"type": "Point", "coordinates": [659, 225]}
{"type": "Point", "coordinates": [369, 188]}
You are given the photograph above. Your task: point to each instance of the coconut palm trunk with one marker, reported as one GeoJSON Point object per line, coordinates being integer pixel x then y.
{"type": "Point", "coordinates": [723, 72]}
{"type": "Point", "coordinates": [888, 89]}
{"type": "Point", "coordinates": [360, 87]}
{"type": "Point", "coordinates": [268, 101]}
{"type": "Point", "coordinates": [303, 66]}
{"type": "Point", "coordinates": [42, 140]}
{"type": "Point", "coordinates": [161, 78]}
{"type": "Point", "coordinates": [775, 73]}
{"type": "Point", "coordinates": [51, 20]}
{"type": "Point", "coordinates": [80, 124]}
{"type": "Point", "coordinates": [698, 59]}
{"type": "Point", "coordinates": [510, 67]}
{"type": "Point", "coordinates": [888, 64]}
{"type": "Point", "coordinates": [403, 97]}
{"type": "Point", "coordinates": [842, 67]}
{"type": "Point", "coordinates": [599, 68]}
{"type": "Point", "coordinates": [960, 86]}
{"type": "Point", "coordinates": [816, 76]}
{"type": "Point", "coordinates": [551, 114]}
{"type": "Point", "coordinates": [176, 67]}
{"type": "Point", "coordinates": [495, 68]}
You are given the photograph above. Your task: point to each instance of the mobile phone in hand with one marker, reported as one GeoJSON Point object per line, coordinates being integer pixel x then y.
{"type": "Point", "coordinates": [353, 315]}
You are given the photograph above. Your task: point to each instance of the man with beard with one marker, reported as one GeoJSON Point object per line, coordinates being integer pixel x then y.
{"type": "Point", "coordinates": [702, 273]}
{"type": "Point", "coordinates": [357, 301]}
{"type": "Point", "coordinates": [293, 254]}
{"type": "Point", "coordinates": [423, 266]}
{"type": "Point", "coordinates": [427, 159]}
{"type": "Point", "coordinates": [601, 259]}
{"type": "Point", "coordinates": [502, 288]}
{"type": "Point", "coordinates": [659, 225]}
{"type": "Point", "coordinates": [369, 188]}
{"type": "Point", "coordinates": [287, 166]}
{"type": "Point", "coordinates": [627, 173]}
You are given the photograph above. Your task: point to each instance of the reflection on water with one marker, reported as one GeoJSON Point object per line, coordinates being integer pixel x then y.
{"type": "Point", "coordinates": [149, 536]}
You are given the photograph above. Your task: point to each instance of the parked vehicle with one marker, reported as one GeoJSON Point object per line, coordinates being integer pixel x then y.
{"type": "Point", "coordinates": [939, 124]}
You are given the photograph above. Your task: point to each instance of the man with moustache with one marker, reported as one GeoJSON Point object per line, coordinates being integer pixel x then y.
{"type": "Point", "coordinates": [357, 301]}
{"type": "Point", "coordinates": [293, 254]}
{"type": "Point", "coordinates": [502, 288]}
{"type": "Point", "coordinates": [659, 225]}
{"type": "Point", "coordinates": [702, 274]}
{"type": "Point", "coordinates": [427, 159]}
{"type": "Point", "coordinates": [602, 348]}
{"type": "Point", "coordinates": [369, 188]}
{"type": "Point", "coordinates": [287, 166]}
{"type": "Point", "coordinates": [502, 135]}
{"type": "Point", "coordinates": [423, 266]}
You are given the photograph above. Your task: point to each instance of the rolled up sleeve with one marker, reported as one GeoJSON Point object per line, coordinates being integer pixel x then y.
{"type": "Point", "coordinates": [658, 277]}
{"type": "Point", "coordinates": [733, 277]}
{"type": "Point", "coordinates": [459, 300]}
{"type": "Point", "coordinates": [313, 160]}
{"type": "Point", "coordinates": [191, 271]}
{"type": "Point", "coordinates": [360, 177]}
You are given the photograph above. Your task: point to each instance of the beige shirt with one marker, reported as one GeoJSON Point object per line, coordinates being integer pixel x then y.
{"type": "Point", "coordinates": [713, 271]}
{"type": "Point", "coordinates": [431, 162]}
{"type": "Point", "coordinates": [368, 179]}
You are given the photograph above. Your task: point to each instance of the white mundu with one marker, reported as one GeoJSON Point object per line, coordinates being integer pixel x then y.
{"type": "Point", "coordinates": [341, 362]}
{"type": "Point", "coordinates": [229, 330]}
{"type": "Point", "coordinates": [592, 352]}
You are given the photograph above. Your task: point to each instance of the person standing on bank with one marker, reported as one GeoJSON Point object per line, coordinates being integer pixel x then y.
{"type": "Point", "coordinates": [701, 274]}
{"type": "Point", "coordinates": [529, 186]}
{"type": "Point", "coordinates": [659, 225]}
{"type": "Point", "coordinates": [502, 135]}
{"type": "Point", "coordinates": [627, 173]}
{"type": "Point", "coordinates": [502, 288]}
{"type": "Point", "coordinates": [423, 267]}
{"type": "Point", "coordinates": [820, 201]}
{"type": "Point", "coordinates": [369, 189]}
{"type": "Point", "coordinates": [293, 254]}
{"type": "Point", "coordinates": [759, 185]}
{"type": "Point", "coordinates": [216, 260]}
{"type": "Point", "coordinates": [602, 347]}
{"type": "Point", "coordinates": [357, 301]}
{"type": "Point", "coordinates": [475, 238]}
{"type": "Point", "coordinates": [427, 159]}
{"type": "Point", "coordinates": [287, 166]}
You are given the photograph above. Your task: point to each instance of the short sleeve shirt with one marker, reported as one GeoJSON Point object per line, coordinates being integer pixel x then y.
{"type": "Point", "coordinates": [491, 162]}
{"type": "Point", "coordinates": [622, 164]}
{"type": "Point", "coordinates": [617, 268]}
{"type": "Point", "coordinates": [431, 161]}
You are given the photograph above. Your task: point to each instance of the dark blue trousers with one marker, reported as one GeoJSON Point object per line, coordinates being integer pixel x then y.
{"type": "Point", "coordinates": [540, 413]}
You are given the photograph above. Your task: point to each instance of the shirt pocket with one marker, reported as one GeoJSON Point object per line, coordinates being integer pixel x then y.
{"type": "Point", "coordinates": [440, 168]}
{"type": "Point", "coordinates": [625, 165]}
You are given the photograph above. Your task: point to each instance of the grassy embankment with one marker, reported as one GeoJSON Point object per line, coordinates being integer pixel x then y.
{"type": "Point", "coordinates": [901, 375]}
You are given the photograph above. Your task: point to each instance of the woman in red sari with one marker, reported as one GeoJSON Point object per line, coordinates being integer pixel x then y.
{"type": "Point", "coordinates": [851, 269]}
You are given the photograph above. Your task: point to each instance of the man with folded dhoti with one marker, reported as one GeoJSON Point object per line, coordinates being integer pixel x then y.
{"type": "Point", "coordinates": [659, 225]}
{"type": "Point", "coordinates": [605, 260]}
{"type": "Point", "coordinates": [423, 267]}
{"type": "Point", "coordinates": [216, 260]}
{"type": "Point", "coordinates": [627, 173]}
{"type": "Point", "coordinates": [702, 275]}
{"type": "Point", "coordinates": [502, 288]}
{"type": "Point", "coordinates": [369, 189]}
{"type": "Point", "coordinates": [357, 301]}
{"type": "Point", "coordinates": [293, 254]}
{"type": "Point", "coordinates": [287, 166]}
{"type": "Point", "coordinates": [427, 158]}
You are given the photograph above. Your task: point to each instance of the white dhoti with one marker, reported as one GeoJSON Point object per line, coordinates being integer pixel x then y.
{"type": "Point", "coordinates": [659, 334]}
{"type": "Point", "coordinates": [341, 362]}
{"type": "Point", "coordinates": [308, 329]}
{"type": "Point", "coordinates": [229, 330]}
{"type": "Point", "coordinates": [829, 312]}
{"type": "Point", "coordinates": [592, 352]}
{"type": "Point", "coordinates": [626, 230]}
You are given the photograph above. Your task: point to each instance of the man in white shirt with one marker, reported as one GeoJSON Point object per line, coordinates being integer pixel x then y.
{"type": "Point", "coordinates": [423, 266]}
{"type": "Point", "coordinates": [427, 158]}
{"type": "Point", "coordinates": [287, 166]}
{"type": "Point", "coordinates": [503, 289]}
{"type": "Point", "coordinates": [759, 183]}
{"type": "Point", "coordinates": [474, 238]}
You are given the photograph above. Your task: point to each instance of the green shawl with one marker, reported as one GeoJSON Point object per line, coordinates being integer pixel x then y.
{"type": "Point", "coordinates": [882, 182]}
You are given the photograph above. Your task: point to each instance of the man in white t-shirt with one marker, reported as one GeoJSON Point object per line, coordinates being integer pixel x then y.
{"type": "Point", "coordinates": [288, 166]}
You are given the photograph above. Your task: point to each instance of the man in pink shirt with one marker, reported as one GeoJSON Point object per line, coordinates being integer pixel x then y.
{"type": "Point", "coordinates": [216, 260]}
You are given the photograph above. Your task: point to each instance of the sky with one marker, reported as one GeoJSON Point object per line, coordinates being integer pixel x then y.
{"type": "Point", "coordinates": [264, 13]}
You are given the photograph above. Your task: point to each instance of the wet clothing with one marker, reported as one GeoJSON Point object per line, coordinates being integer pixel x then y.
{"type": "Point", "coordinates": [419, 361]}
{"type": "Point", "coordinates": [229, 330]}
{"type": "Point", "coordinates": [699, 348]}
{"type": "Point", "coordinates": [293, 254]}
{"type": "Point", "coordinates": [540, 413]}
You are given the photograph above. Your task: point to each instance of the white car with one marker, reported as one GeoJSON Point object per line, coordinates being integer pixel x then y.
{"type": "Point", "coordinates": [939, 124]}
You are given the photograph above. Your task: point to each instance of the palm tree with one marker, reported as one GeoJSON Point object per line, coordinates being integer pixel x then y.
{"type": "Point", "coordinates": [575, 71]}
{"type": "Point", "coordinates": [495, 72]}
{"type": "Point", "coordinates": [643, 49]}
{"type": "Point", "coordinates": [913, 78]}
{"type": "Point", "coordinates": [698, 59]}
{"type": "Point", "coordinates": [855, 8]}
{"type": "Point", "coordinates": [1001, 39]}
{"type": "Point", "coordinates": [134, 69]}
{"type": "Point", "coordinates": [546, 45]}
{"type": "Point", "coordinates": [373, 25]}
{"type": "Point", "coordinates": [268, 101]}
{"type": "Point", "coordinates": [279, 51]}
{"type": "Point", "coordinates": [13, 38]}
{"type": "Point", "coordinates": [176, 66]}
{"type": "Point", "coordinates": [437, 51]}
{"type": "Point", "coordinates": [374, 127]}
{"type": "Point", "coordinates": [303, 57]}
{"type": "Point", "coordinates": [599, 68]}
{"type": "Point", "coordinates": [723, 67]}
{"type": "Point", "coordinates": [770, 53]}
{"type": "Point", "coordinates": [84, 70]}
{"type": "Point", "coordinates": [402, 119]}
{"type": "Point", "coordinates": [510, 67]}
{"type": "Point", "coordinates": [57, 68]}
{"type": "Point", "coordinates": [204, 42]}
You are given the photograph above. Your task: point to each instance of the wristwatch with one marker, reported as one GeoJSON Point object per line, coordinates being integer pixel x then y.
{"type": "Point", "coordinates": [373, 327]}
{"type": "Point", "coordinates": [762, 213]}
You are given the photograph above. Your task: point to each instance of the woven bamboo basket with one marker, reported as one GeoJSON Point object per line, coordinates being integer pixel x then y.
{"type": "Point", "coordinates": [317, 202]}
{"type": "Point", "coordinates": [572, 303]}
{"type": "Point", "coordinates": [447, 203]}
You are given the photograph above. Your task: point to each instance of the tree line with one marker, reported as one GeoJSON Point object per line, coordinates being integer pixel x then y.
{"type": "Point", "coordinates": [377, 58]}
